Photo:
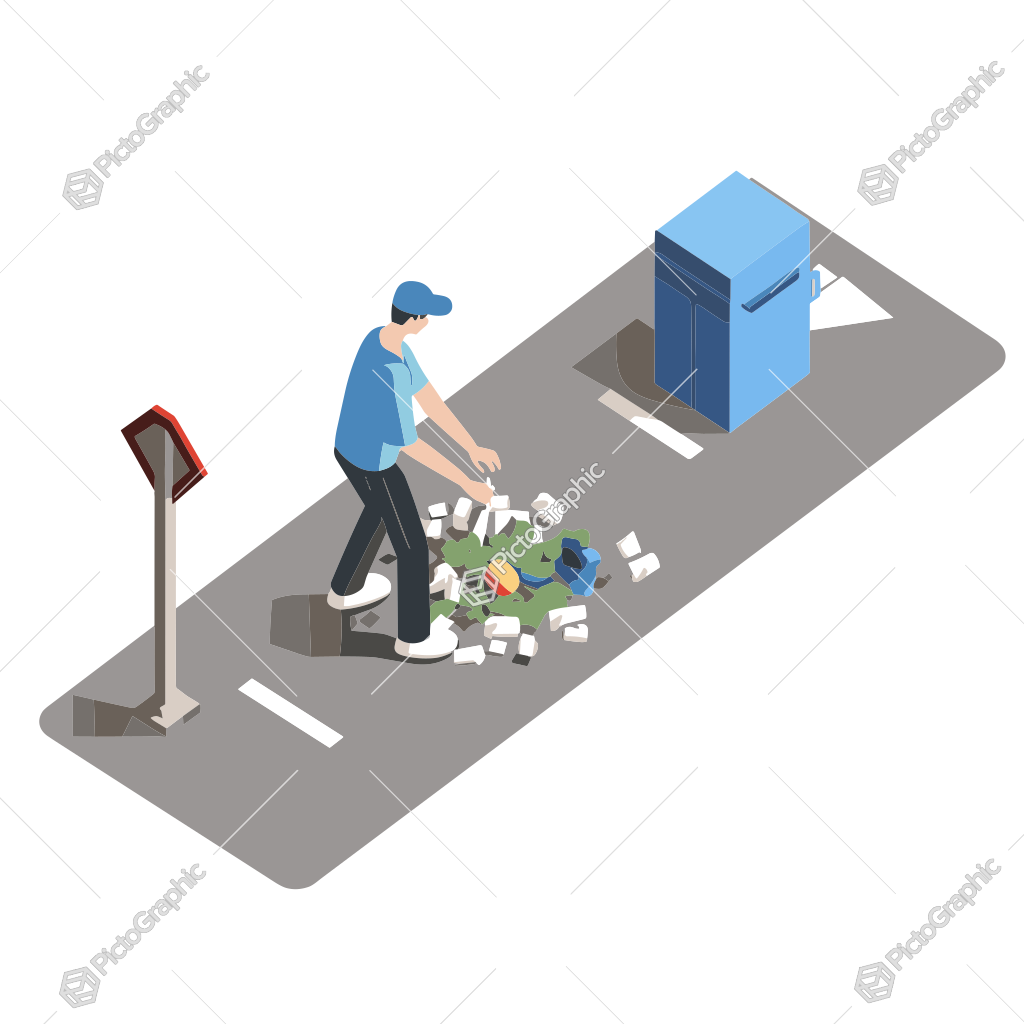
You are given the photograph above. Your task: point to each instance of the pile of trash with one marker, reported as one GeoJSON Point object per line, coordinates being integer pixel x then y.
{"type": "Point", "coordinates": [501, 572]}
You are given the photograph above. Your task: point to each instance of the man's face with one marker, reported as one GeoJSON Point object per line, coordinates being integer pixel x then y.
{"type": "Point", "coordinates": [417, 323]}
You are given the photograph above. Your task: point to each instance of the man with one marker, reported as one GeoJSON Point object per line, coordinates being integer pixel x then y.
{"type": "Point", "coordinates": [376, 423]}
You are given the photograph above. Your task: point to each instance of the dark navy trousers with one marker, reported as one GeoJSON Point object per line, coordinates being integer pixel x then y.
{"type": "Point", "coordinates": [388, 506]}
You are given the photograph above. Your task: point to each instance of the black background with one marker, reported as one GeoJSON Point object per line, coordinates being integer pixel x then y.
{"type": "Point", "coordinates": [336, 142]}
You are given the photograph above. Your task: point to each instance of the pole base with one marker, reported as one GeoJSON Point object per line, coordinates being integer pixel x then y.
{"type": "Point", "coordinates": [98, 718]}
{"type": "Point", "coordinates": [179, 708]}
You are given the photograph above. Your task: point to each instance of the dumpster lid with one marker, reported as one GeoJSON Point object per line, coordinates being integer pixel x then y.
{"type": "Point", "coordinates": [733, 225]}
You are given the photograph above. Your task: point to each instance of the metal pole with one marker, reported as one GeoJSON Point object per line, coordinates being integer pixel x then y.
{"type": "Point", "coordinates": [163, 571]}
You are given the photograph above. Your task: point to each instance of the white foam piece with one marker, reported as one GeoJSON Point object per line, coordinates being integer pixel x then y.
{"type": "Point", "coordinates": [480, 527]}
{"type": "Point", "coordinates": [501, 519]}
{"type": "Point", "coordinates": [501, 625]}
{"type": "Point", "coordinates": [462, 509]}
{"type": "Point", "coordinates": [559, 617]}
{"type": "Point", "coordinates": [497, 647]}
{"type": "Point", "coordinates": [542, 501]}
{"type": "Point", "coordinates": [442, 571]}
{"type": "Point", "coordinates": [499, 501]}
{"type": "Point", "coordinates": [844, 304]}
{"type": "Point", "coordinates": [827, 277]}
{"type": "Point", "coordinates": [452, 589]}
{"type": "Point", "coordinates": [521, 515]}
{"type": "Point", "coordinates": [528, 645]}
{"type": "Point", "coordinates": [442, 574]}
{"type": "Point", "coordinates": [629, 546]}
{"type": "Point", "coordinates": [470, 655]}
{"type": "Point", "coordinates": [434, 528]}
{"type": "Point", "coordinates": [641, 568]}
{"type": "Point", "coordinates": [662, 431]}
{"type": "Point", "coordinates": [576, 634]}
{"type": "Point", "coordinates": [438, 511]}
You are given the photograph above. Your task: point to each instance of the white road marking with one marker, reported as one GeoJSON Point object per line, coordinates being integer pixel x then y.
{"type": "Point", "coordinates": [844, 304]}
{"type": "Point", "coordinates": [290, 713]}
{"type": "Point", "coordinates": [639, 418]}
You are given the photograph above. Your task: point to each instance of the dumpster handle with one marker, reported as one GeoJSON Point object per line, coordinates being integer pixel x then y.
{"type": "Point", "coordinates": [771, 291]}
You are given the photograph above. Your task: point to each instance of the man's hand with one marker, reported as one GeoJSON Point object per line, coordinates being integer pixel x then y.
{"type": "Point", "coordinates": [478, 491]}
{"type": "Point", "coordinates": [486, 458]}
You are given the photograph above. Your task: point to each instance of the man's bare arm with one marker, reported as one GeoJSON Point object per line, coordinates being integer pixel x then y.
{"type": "Point", "coordinates": [433, 459]}
{"type": "Point", "coordinates": [433, 405]}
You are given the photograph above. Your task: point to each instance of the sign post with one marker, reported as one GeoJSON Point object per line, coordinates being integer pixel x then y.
{"type": "Point", "coordinates": [173, 467]}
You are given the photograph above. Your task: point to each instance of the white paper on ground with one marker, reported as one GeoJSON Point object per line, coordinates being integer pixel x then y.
{"type": "Point", "coordinates": [480, 527]}
{"type": "Point", "coordinates": [442, 571]}
{"type": "Point", "coordinates": [528, 645]}
{"type": "Point", "coordinates": [643, 567]}
{"type": "Point", "coordinates": [629, 546]}
{"type": "Point", "coordinates": [501, 625]}
{"type": "Point", "coordinates": [469, 655]}
{"type": "Point", "coordinates": [559, 617]}
{"type": "Point", "coordinates": [843, 304]}
{"type": "Point", "coordinates": [461, 514]}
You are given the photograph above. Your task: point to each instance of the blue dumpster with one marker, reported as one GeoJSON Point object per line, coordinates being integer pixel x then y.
{"type": "Point", "coordinates": [732, 291]}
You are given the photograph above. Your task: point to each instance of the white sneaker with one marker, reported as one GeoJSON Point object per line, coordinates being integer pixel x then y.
{"type": "Point", "coordinates": [439, 644]}
{"type": "Point", "coordinates": [376, 588]}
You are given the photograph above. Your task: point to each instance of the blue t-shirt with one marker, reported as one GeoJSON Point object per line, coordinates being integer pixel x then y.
{"type": "Point", "coordinates": [376, 419]}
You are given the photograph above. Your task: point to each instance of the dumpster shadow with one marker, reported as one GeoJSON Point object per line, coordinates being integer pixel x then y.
{"type": "Point", "coordinates": [625, 363]}
{"type": "Point", "coordinates": [306, 624]}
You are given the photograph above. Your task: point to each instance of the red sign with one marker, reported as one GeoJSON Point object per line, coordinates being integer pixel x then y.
{"type": "Point", "coordinates": [188, 470]}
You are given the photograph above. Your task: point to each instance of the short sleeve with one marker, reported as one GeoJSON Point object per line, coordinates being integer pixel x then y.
{"type": "Point", "coordinates": [419, 378]}
{"type": "Point", "coordinates": [384, 410]}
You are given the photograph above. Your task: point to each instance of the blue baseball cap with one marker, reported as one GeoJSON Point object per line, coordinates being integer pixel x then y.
{"type": "Point", "coordinates": [416, 298]}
